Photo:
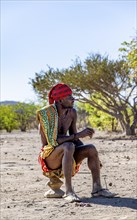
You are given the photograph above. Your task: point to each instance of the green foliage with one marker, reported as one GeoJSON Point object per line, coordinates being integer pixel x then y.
{"type": "Point", "coordinates": [97, 119]}
{"type": "Point", "coordinates": [82, 119]}
{"type": "Point", "coordinates": [8, 118]}
{"type": "Point", "coordinates": [25, 114]}
{"type": "Point", "coordinates": [20, 116]}
{"type": "Point", "coordinates": [129, 54]}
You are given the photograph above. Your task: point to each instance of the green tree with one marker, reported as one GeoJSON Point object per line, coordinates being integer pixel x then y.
{"type": "Point", "coordinates": [25, 114]}
{"type": "Point", "coordinates": [97, 78]}
{"type": "Point", "coordinates": [96, 118]}
{"type": "Point", "coordinates": [83, 116]}
{"type": "Point", "coordinates": [129, 54]}
{"type": "Point", "coordinates": [8, 120]}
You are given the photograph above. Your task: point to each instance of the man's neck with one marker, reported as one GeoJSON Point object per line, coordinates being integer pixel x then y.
{"type": "Point", "coordinates": [61, 111]}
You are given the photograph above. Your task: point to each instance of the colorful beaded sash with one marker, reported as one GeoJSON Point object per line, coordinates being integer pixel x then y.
{"type": "Point", "coordinates": [48, 119]}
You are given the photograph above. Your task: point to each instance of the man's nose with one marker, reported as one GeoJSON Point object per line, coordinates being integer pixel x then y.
{"type": "Point", "coordinates": [73, 98]}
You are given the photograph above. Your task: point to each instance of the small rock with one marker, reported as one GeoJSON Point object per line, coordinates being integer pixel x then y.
{"type": "Point", "coordinates": [73, 213]}
{"type": "Point", "coordinates": [81, 204]}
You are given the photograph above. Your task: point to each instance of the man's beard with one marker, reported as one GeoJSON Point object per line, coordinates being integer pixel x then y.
{"type": "Point", "coordinates": [67, 107]}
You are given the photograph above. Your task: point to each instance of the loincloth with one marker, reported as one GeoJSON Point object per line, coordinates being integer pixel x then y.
{"type": "Point", "coordinates": [57, 172]}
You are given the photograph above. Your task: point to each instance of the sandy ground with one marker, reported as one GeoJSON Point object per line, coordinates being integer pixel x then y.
{"type": "Point", "coordinates": [23, 185]}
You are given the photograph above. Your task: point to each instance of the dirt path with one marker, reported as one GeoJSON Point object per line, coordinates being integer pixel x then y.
{"type": "Point", "coordinates": [23, 185]}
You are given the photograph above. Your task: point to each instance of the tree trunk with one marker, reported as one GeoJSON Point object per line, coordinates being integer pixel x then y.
{"type": "Point", "coordinates": [133, 130]}
{"type": "Point", "coordinates": [130, 130]}
{"type": "Point", "coordinates": [8, 130]}
{"type": "Point", "coordinates": [122, 124]}
{"type": "Point", "coordinates": [113, 125]}
{"type": "Point", "coordinates": [23, 128]}
{"type": "Point", "coordinates": [133, 126]}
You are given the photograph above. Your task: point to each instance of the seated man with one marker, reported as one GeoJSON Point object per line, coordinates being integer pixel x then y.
{"type": "Point", "coordinates": [62, 153]}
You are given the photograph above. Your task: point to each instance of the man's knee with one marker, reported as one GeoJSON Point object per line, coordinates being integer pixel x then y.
{"type": "Point", "coordinates": [68, 147]}
{"type": "Point", "coordinates": [92, 149]}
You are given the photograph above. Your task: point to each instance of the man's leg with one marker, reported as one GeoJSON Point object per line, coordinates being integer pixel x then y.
{"type": "Point", "coordinates": [90, 152]}
{"type": "Point", "coordinates": [63, 156]}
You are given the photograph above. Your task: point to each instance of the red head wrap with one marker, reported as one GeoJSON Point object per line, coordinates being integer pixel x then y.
{"type": "Point", "coordinates": [58, 92]}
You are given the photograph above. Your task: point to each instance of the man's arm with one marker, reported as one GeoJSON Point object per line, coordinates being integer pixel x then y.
{"type": "Point", "coordinates": [73, 129]}
{"type": "Point", "coordinates": [74, 135]}
{"type": "Point", "coordinates": [65, 138]}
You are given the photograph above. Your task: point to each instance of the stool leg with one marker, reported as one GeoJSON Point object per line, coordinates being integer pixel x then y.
{"type": "Point", "coordinates": [55, 192]}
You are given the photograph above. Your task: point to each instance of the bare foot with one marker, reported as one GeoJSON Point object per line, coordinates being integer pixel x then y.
{"type": "Point", "coordinates": [104, 193]}
{"type": "Point", "coordinates": [71, 197]}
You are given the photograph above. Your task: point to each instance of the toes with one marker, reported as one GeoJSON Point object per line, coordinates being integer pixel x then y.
{"type": "Point", "coordinates": [104, 193]}
{"type": "Point", "coordinates": [71, 197]}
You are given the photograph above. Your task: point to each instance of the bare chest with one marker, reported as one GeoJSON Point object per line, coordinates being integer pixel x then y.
{"type": "Point", "coordinates": [64, 124]}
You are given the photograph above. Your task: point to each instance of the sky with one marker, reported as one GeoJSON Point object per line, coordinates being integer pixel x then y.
{"type": "Point", "coordinates": [36, 34]}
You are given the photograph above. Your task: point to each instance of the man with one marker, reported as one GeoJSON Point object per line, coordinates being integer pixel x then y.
{"type": "Point", "coordinates": [62, 153]}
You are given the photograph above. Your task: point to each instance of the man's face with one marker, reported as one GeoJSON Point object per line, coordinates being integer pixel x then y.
{"type": "Point", "coordinates": [67, 102]}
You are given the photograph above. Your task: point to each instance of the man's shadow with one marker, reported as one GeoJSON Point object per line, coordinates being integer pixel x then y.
{"type": "Point", "coordinates": [115, 202]}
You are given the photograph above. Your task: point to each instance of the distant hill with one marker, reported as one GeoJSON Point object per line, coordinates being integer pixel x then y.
{"type": "Point", "coordinates": [9, 103]}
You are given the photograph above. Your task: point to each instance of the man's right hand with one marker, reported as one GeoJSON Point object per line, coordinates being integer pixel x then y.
{"type": "Point", "coordinates": [86, 132]}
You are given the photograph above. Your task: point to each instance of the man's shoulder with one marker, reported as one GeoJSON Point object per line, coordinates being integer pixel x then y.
{"type": "Point", "coordinates": [47, 110]}
{"type": "Point", "coordinates": [73, 111]}
{"type": "Point", "coordinates": [47, 107]}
